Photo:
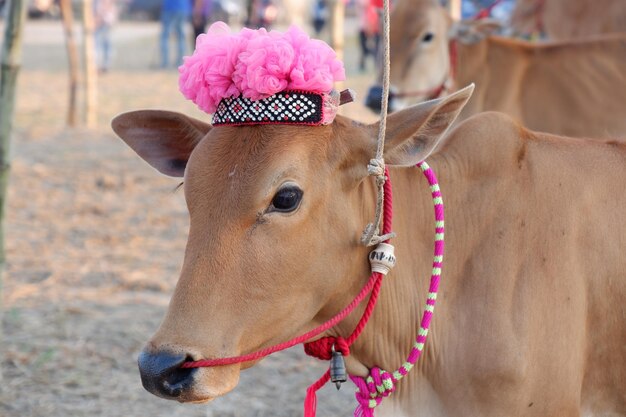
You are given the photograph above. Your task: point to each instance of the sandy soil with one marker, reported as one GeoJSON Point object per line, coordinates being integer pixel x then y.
{"type": "Point", "coordinates": [95, 240]}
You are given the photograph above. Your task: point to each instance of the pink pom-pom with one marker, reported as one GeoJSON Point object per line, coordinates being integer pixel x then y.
{"type": "Point", "coordinates": [263, 69]}
{"type": "Point", "coordinates": [316, 67]}
{"type": "Point", "coordinates": [206, 76]}
{"type": "Point", "coordinates": [256, 64]}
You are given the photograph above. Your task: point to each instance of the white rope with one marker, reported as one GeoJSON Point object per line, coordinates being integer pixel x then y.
{"type": "Point", "coordinates": [376, 167]}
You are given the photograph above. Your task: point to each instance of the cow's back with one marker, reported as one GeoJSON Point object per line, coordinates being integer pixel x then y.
{"type": "Point", "coordinates": [570, 88]}
{"type": "Point", "coordinates": [577, 88]}
{"type": "Point", "coordinates": [569, 19]}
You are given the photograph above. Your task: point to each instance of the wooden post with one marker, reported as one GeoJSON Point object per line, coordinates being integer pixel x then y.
{"type": "Point", "coordinates": [454, 7]}
{"type": "Point", "coordinates": [90, 70]}
{"type": "Point", "coordinates": [10, 62]}
{"type": "Point", "coordinates": [337, 14]}
{"type": "Point", "coordinates": [72, 60]}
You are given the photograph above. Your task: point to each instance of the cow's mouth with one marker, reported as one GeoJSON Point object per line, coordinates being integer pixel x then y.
{"type": "Point", "coordinates": [162, 375]}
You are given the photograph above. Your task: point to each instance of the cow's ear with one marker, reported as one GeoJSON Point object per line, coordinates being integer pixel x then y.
{"type": "Point", "coordinates": [413, 133]}
{"type": "Point", "coordinates": [164, 139]}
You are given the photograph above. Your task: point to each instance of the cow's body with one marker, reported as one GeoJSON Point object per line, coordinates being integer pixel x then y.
{"type": "Point", "coordinates": [569, 19]}
{"type": "Point", "coordinates": [575, 88]}
{"type": "Point", "coordinates": [530, 319]}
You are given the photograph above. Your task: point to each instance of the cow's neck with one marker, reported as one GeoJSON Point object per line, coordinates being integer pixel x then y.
{"type": "Point", "coordinates": [490, 62]}
{"type": "Point", "coordinates": [390, 333]}
{"type": "Point", "coordinates": [463, 166]}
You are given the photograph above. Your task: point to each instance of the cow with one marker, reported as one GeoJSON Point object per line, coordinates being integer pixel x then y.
{"type": "Point", "coordinates": [530, 319]}
{"type": "Point", "coordinates": [568, 19]}
{"type": "Point", "coordinates": [575, 88]}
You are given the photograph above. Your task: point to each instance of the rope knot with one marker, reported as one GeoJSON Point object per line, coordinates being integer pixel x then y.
{"type": "Point", "coordinates": [370, 236]}
{"type": "Point", "coordinates": [372, 389]}
{"type": "Point", "coordinates": [376, 168]}
{"type": "Point", "coordinates": [323, 348]}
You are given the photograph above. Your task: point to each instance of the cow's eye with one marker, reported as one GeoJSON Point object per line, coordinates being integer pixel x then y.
{"type": "Point", "coordinates": [287, 199]}
{"type": "Point", "coordinates": [428, 36]}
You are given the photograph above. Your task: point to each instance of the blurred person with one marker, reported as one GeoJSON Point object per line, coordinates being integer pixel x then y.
{"type": "Point", "coordinates": [202, 10]}
{"type": "Point", "coordinates": [42, 8]}
{"type": "Point", "coordinates": [369, 30]}
{"type": "Point", "coordinates": [106, 14]}
{"type": "Point", "coordinates": [261, 13]}
{"type": "Point", "coordinates": [320, 16]}
{"type": "Point", "coordinates": [174, 15]}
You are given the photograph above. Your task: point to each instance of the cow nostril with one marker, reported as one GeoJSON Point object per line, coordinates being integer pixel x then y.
{"type": "Point", "coordinates": [178, 380]}
{"type": "Point", "coordinates": [374, 99]}
{"type": "Point", "coordinates": [162, 375]}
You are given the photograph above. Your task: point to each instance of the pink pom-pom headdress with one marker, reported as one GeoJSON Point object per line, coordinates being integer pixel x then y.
{"type": "Point", "coordinates": [259, 77]}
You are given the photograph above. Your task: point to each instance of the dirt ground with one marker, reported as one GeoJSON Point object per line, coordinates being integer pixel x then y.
{"type": "Point", "coordinates": [95, 240]}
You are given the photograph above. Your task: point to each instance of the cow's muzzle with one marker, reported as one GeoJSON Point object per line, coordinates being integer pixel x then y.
{"type": "Point", "coordinates": [162, 375]}
{"type": "Point", "coordinates": [374, 99]}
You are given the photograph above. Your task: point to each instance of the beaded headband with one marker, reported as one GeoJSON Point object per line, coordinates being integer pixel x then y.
{"type": "Point", "coordinates": [285, 107]}
{"type": "Point", "coordinates": [261, 77]}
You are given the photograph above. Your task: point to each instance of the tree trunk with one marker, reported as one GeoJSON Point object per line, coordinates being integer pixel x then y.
{"type": "Point", "coordinates": [337, 15]}
{"type": "Point", "coordinates": [9, 67]}
{"type": "Point", "coordinates": [72, 59]}
{"type": "Point", "coordinates": [454, 7]}
{"type": "Point", "coordinates": [90, 70]}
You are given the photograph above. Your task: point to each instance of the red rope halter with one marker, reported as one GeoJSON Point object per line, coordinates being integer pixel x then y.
{"type": "Point", "coordinates": [447, 83]}
{"type": "Point", "coordinates": [321, 348]}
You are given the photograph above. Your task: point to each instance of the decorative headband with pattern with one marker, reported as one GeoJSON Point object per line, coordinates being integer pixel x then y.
{"type": "Point", "coordinates": [285, 107]}
{"type": "Point", "coordinates": [261, 77]}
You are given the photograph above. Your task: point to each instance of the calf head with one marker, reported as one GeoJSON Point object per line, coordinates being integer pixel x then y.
{"type": "Point", "coordinates": [420, 39]}
{"type": "Point", "coordinates": [419, 62]}
{"type": "Point", "coordinates": [276, 214]}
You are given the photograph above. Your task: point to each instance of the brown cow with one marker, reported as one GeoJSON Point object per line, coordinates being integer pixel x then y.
{"type": "Point", "coordinates": [531, 318]}
{"type": "Point", "coordinates": [573, 88]}
{"type": "Point", "coordinates": [569, 19]}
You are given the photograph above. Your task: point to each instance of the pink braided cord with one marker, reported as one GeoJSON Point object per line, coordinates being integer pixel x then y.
{"type": "Point", "coordinates": [321, 348]}
{"type": "Point", "coordinates": [379, 384]}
